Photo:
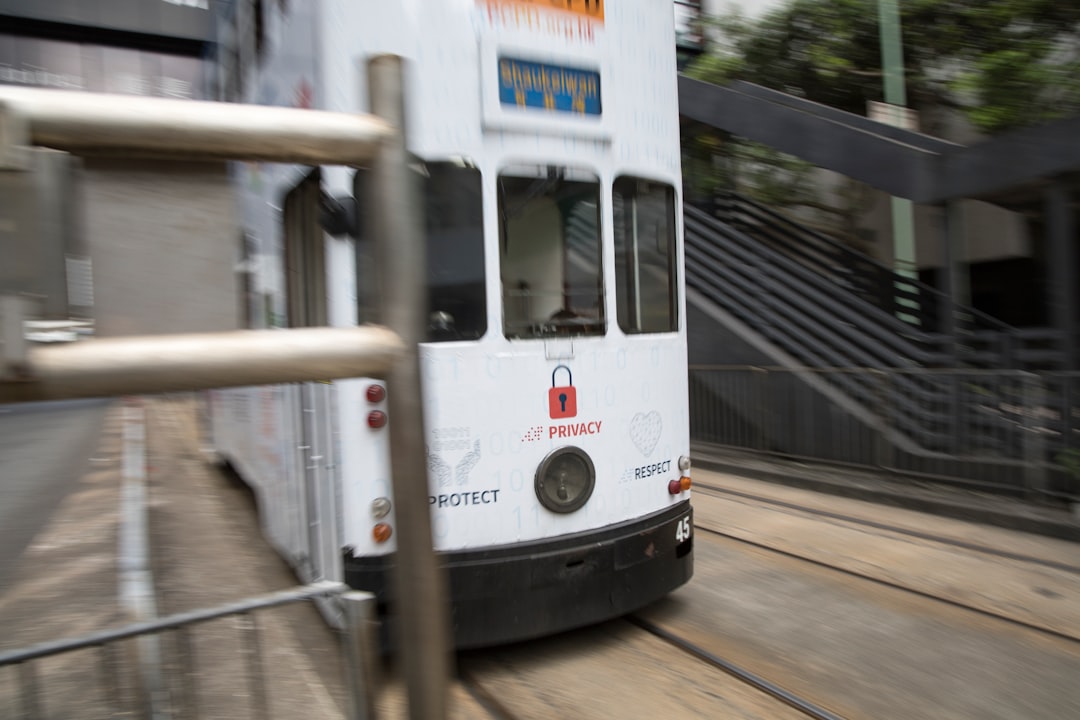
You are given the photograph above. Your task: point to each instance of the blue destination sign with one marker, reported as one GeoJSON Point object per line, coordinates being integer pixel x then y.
{"type": "Point", "coordinates": [549, 87]}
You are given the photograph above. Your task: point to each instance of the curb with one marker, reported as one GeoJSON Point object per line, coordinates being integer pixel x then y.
{"type": "Point", "coordinates": [917, 495]}
{"type": "Point", "coordinates": [135, 573]}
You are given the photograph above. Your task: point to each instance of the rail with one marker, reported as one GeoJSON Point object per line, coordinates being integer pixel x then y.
{"type": "Point", "coordinates": [959, 334]}
{"type": "Point", "coordinates": [804, 304]}
{"type": "Point", "coordinates": [82, 122]}
{"type": "Point", "coordinates": [141, 126]}
{"type": "Point", "coordinates": [183, 699]}
{"type": "Point", "coordinates": [131, 125]}
{"type": "Point", "coordinates": [1006, 432]}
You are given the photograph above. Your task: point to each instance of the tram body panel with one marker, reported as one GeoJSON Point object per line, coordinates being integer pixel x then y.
{"type": "Point", "coordinates": [569, 308]}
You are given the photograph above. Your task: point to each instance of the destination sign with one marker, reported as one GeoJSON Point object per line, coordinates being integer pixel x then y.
{"type": "Point", "coordinates": [591, 9]}
{"type": "Point", "coordinates": [549, 87]}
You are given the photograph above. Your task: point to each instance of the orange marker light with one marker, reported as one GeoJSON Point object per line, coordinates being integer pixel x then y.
{"type": "Point", "coordinates": [382, 532]}
{"type": "Point", "coordinates": [684, 482]}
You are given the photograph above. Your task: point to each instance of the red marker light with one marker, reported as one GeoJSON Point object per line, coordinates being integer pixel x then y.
{"type": "Point", "coordinates": [677, 486]}
{"type": "Point", "coordinates": [376, 419]}
{"type": "Point", "coordinates": [376, 393]}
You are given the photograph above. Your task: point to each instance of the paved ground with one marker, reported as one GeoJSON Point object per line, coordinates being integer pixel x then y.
{"type": "Point", "coordinates": [44, 448]}
{"type": "Point", "coordinates": [63, 582]}
{"type": "Point", "coordinates": [862, 649]}
{"type": "Point", "coordinates": [859, 648]}
{"type": "Point", "coordinates": [206, 549]}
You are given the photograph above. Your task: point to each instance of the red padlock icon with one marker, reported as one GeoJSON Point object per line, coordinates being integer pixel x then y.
{"type": "Point", "coordinates": [562, 400]}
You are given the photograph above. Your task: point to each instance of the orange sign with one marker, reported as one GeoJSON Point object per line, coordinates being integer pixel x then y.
{"type": "Point", "coordinates": [592, 9]}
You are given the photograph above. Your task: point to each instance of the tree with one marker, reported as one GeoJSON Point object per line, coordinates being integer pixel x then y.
{"type": "Point", "coordinates": [1000, 64]}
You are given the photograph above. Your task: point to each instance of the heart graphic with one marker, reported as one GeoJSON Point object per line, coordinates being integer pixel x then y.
{"type": "Point", "coordinates": [645, 431]}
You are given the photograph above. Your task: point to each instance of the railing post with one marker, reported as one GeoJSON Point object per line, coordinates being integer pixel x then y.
{"type": "Point", "coordinates": [1034, 444]}
{"type": "Point", "coordinates": [761, 378]}
{"type": "Point", "coordinates": [884, 450]}
{"type": "Point", "coordinates": [361, 635]}
{"type": "Point", "coordinates": [421, 600]}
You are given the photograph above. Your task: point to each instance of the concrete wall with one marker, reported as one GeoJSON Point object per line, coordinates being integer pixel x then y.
{"type": "Point", "coordinates": [990, 232]}
{"type": "Point", "coordinates": [164, 243]}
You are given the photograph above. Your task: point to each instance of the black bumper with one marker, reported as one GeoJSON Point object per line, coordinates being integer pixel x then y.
{"type": "Point", "coordinates": [527, 590]}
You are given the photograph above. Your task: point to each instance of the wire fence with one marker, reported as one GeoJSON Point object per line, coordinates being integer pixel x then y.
{"type": "Point", "coordinates": [1005, 431]}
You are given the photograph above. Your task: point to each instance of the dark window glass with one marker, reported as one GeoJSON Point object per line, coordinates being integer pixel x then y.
{"type": "Point", "coordinates": [305, 258]}
{"type": "Point", "coordinates": [645, 288]}
{"type": "Point", "coordinates": [455, 237]}
{"type": "Point", "coordinates": [454, 224]}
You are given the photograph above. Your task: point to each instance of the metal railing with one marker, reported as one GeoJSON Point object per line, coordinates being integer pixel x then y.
{"type": "Point", "coordinates": [1005, 431]}
{"type": "Point", "coordinates": [809, 306]}
{"type": "Point", "coordinates": [75, 122]}
{"type": "Point", "coordinates": [922, 325]}
{"type": "Point", "coordinates": [115, 682]}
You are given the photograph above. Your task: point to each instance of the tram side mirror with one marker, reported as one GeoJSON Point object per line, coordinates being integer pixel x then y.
{"type": "Point", "coordinates": [340, 216]}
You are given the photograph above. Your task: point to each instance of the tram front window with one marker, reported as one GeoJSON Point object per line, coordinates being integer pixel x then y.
{"type": "Point", "coordinates": [454, 215]}
{"type": "Point", "coordinates": [549, 251]}
{"type": "Point", "coordinates": [454, 226]}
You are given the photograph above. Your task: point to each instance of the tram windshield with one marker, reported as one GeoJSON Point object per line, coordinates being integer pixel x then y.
{"type": "Point", "coordinates": [454, 214]}
{"type": "Point", "coordinates": [549, 252]}
{"type": "Point", "coordinates": [454, 230]}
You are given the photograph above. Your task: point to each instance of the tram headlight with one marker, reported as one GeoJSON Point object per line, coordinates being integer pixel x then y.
{"type": "Point", "coordinates": [565, 480]}
{"type": "Point", "coordinates": [380, 508]}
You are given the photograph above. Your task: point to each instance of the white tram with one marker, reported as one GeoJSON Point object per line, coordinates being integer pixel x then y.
{"type": "Point", "coordinates": [554, 379]}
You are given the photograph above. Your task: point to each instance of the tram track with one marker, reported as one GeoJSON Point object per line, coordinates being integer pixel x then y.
{"type": "Point", "coordinates": [1042, 629]}
{"type": "Point", "coordinates": [802, 705]}
{"type": "Point", "coordinates": [499, 710]}
{"type": "Point", "coordinates": [717, 491]}
{"type": "Point", "coordinates": [514, 685]}
{"type": "Point", "coordinates": [485, 699]}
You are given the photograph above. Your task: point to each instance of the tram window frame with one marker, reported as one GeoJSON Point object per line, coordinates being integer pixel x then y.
{"type": "Point", "coordinates": [453, 205]}
{"type": "Point", "coordinates": [552, 281]}
{"type": "Point", "coordinates": [304, 253]}
{"type": "Point", "coordinates": [648, 307]}
{"type": "Point", "coordinates": [457, 275]}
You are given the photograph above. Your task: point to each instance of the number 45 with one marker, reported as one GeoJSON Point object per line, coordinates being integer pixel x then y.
{"type": "Point", "coordinates": [682, 529]}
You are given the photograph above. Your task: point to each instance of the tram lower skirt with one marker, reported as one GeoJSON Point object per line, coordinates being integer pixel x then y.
{"type": "Point", "coordinates": [526, 590]}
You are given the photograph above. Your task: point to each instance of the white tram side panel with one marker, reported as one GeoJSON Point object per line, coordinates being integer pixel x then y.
{"type": "Point", "coordinates": [281, 439]}
{"type": "Point", "coordinates": [488, 402]}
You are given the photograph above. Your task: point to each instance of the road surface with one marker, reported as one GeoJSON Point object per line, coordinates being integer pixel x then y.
{"type": "Point", "coordinates": [44, 448]}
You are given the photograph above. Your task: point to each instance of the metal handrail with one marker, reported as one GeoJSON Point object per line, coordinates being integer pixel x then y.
{"type": "Point", "coordinates": [802, 312]}
{"type": "Point", "coordinates": [110, 367]}
{"type": "Point", "coordinates": [130, 124]}
{"type": "Point", "coordinates": [281, 597]}
{"type": "Point", "coordinates": [140, 126]}
{"type": "Point", "coordinates": [980, 339]}
{"type": "Point", "coordinates": [734, 202]}
{"type": "Point", "coordinates": [93, 123]}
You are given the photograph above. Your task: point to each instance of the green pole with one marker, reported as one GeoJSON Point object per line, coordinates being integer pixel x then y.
{"type": "Point", "coordinates": [903, 224]}
{"type": "Point", "coordinates": [892, 52]}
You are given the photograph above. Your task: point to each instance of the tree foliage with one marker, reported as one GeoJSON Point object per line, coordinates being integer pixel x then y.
{"type": "Point", "coordinates": [1002, 63]}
